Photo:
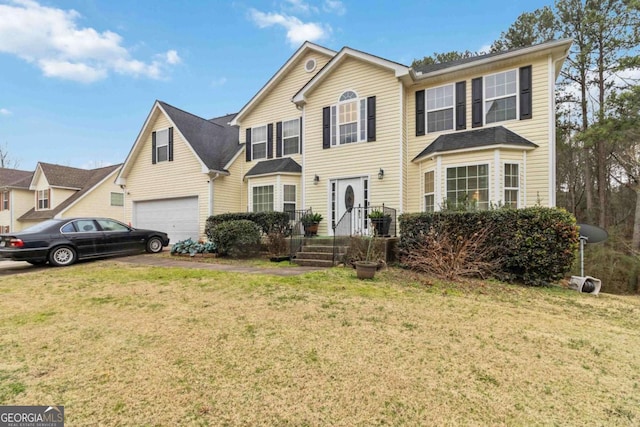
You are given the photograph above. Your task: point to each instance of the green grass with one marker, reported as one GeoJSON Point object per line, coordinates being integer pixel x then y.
{"type": "Point", "coordinates": [137, 345]}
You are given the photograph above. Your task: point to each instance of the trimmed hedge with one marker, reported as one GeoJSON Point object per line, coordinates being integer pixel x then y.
{"type": "Point", "coordinates": [535, 245]}
{"type": "Point", "coordinates": [276, 222]}
{"type": "Point", "coordinates": [237, 239]}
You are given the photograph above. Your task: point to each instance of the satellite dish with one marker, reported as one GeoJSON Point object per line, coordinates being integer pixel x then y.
{"type": "Point", "coordinates": [592, 233]}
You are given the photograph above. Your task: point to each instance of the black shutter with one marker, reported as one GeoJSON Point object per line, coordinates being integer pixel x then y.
{"type": "Point", "coordinates": [525, 93]}
{"type": "Point", "coordinates": [171, 144]}
{"type": "Point", "coordinates": [247, 146]}
{"type": "Point", "coordinates": [279, 148]}
{"type": "Point", "coordinates": [420, 122]}
{"type": "Point", "coordinates": [476, 102]}
{"type": "Point", "coordinates": [153, 148]}
{"type": "Point", "coordinates": [270, 141]}
{"type": "Point", "coordinates": [461, 105]}
{"type": "Point", "coordinates": [326, 127]}
{"type": "Point", "coordinates": [300, 145]}
{"type": "Point", "coordinates": [371, 118]}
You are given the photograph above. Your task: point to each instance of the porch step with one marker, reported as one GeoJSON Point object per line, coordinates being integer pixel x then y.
{"type": "Point", "coordinates": [313, 262]}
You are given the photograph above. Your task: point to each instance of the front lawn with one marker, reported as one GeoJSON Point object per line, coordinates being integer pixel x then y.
{"type": "Point", "coordinates": [118, 344]}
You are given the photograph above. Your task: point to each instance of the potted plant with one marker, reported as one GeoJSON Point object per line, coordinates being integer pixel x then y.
{"type": "Point", "coordinates": [380, 222]}
{"type": "Point", "coordinates": [310, 223]}
{"type": "Point", "coordinates": [366, 269]}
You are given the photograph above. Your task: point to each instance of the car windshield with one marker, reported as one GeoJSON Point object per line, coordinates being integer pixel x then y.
{"type": "Point", "coordinates": [40, 226]}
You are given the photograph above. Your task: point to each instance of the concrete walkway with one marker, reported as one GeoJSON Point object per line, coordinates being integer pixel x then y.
{"type": "Point", "coordinates": [183, 262]}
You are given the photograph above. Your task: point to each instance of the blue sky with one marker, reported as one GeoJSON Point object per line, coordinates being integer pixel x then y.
{"type": "Point", "coordinates": [79, 77]}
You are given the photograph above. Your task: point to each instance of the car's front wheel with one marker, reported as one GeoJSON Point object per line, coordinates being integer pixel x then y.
{"type": "Point", "coordinates": [62, 256]}
{"type": "Point", "coordinates": [154, 245]}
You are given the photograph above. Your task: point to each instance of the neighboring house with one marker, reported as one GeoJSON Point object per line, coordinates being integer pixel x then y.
{"type": "Point", "coordinates": [331, 130]}
{"type": "Point", "coordinates": [15, 198]}
{"type": "Point", "coordinates": [64, 192]}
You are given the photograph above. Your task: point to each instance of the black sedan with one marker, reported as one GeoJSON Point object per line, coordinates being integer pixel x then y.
{"type": "Point", "coordinates": [62, 242]}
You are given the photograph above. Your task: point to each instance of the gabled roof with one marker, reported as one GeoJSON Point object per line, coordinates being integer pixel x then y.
{"type": "Point", "coordinates": [476, 139]}
{"type": "Point", "coordinates": [214, 142]}
{"type": "Point", "coordinates": [94, 177]}
{"type": "Point", "coordinates": [62, 176]}
{"type": "Point", "coordinates": [400, 70]}
{"type": "Point", "coordinates": [275, 166]}
{"type": "Point", "coordinates": [279, 75]}
{"type": "Point", "coordinates": [15, 178]}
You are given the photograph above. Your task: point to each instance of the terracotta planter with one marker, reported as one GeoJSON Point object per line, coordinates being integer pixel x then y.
{"type": "Point", "coordinates": [366, 269]}
{"type": "Point", "coordinates": [310, 230]}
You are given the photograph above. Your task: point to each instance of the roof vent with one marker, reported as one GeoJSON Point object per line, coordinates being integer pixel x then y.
{"type": "Point", "coordinates": [310, 65]}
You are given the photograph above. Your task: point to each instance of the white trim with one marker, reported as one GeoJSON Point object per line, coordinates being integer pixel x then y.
{"type": "Point", "coordinates": [524, 179]}
{"type": "Point", "coordinates": [424, 190]}
{"type": "Point", "coordinates": [303, 179]}
{"type": "Point", "coordinates": [306, 46]}
{"type": "Point", "coordinates": [250, 194]}
{"type": "Point", "coordinates": [358, 100]}
{"type": "Point", "coordinates": [476, 163]}
{"type": "Point", "coordinates": [266, 141]}
{"type": "Point", "coordinates": [552, 130]}
{"type": "Point", "coordinates": [282, 142]}
{"type": "Point", "coordinates": [295, 202]}
{"type": "Point", "coordinates": [262, 175]}
{"type": "Point", "coordinates": [234, 158]}
{"type": "Point", "coordinates": [398, 69]}
{"type": "Point", "coordinates": [496, 175]}
{"type": "Point", "coordinates": [401, 173]}
{"type": "Point", "coordinates": [59, 187]}
{"type": "Point", "coordinates": [440, 184]}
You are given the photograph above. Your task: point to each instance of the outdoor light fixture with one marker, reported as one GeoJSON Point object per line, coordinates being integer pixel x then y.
{"type": "Point", "coordinates": [381, 173]}
{"type": "Point", "coordinates": [316, 179]}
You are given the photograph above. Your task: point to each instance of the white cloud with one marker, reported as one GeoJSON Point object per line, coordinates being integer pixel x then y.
{"type": "Point", "coordinates": [300, 6]}
{"type": "Point", "coordinates": [50, 38]}
{"type": "Point", "coordinates": [485, 48]}
{"type": "Point", "coordinates": [5, 112]}
{"type": "Point", "coordinates": [334, 6]}
{"type": "Point", "coordinates": [297, 31]}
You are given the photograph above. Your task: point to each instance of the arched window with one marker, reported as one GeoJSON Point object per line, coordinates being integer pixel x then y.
{"type": "Point", "coordinates": [347, 118]}
{"type": "Point", "coordinates": [348, 95]}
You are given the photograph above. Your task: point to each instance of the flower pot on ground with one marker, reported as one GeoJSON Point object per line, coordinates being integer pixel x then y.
{"type": "Point", "coordinates": [366, 269]}
{"type": "Point", "coordinates": [310, 223]}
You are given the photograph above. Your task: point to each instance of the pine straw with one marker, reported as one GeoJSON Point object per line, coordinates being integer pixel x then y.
{"type": "Point", "coordinates": [123, 345]}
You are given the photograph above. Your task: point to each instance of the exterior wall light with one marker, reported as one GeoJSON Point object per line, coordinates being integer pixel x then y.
{"type": "Point", "coordinates": [381, 173]}
{"type": "Point", "coordinates": [316, 179]}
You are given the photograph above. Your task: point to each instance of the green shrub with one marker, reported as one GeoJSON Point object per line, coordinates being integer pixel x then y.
{"type": "Point", "coordinates": [277, 222]}
{"type": "Point", "coordinates": [238, 238]}
{"type": "Point", "coordinates": [532, 245]}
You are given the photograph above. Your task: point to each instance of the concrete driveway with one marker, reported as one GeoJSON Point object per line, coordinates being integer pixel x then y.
{"type": "Point", "coordinates": [8, 267]}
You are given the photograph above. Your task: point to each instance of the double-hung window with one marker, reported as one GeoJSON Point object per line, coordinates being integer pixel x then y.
{"type": "Point", "coordinates": [511, 185]}
{"type": "Point", "coordinates": [500, 95]}
{"type": "Point", "coordinates": [289, 200]}
{"type": "Point", "coordinates": [440, 108]}
{"type": "Point", "coordinates": [117, 199]}
{"type": "Point", "coordinates": [429, 192]}
{"type": "Point", "coordinates": [162, 145]}
{"type": "Point", "coordinates": [43, 199]}
{"type": "Point", "coordinates": [263, 198]}
{"type": "Point", "coordinates": [468, 186]}
{"type": "Point", "coordinates": [259, 142]}
{"type": "Point", "coordinates": [349, 119]}
{"type": "Point", "coordinates": [291, 137]}
{"type": "Point", "coordinates": [5, 200]}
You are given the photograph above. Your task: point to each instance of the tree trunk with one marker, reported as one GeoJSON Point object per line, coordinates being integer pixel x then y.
{"type": "Point", "coordinates": [635, 241]}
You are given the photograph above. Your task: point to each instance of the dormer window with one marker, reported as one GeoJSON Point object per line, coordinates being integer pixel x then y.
{"type": "Point", "coordinates": [162, 146]}
{"type": "Point", "coordinates": [43, 199]}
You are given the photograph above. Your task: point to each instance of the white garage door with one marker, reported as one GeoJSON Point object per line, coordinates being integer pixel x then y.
{"type": "Point", "coordinates": [176, 217]}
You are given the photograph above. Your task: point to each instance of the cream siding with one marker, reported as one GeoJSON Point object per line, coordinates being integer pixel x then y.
{"type": "Point", "coordinates": [278, 182]}
{"type": "Point", "coordinates": [228, 194]}
{"type": "Point", "coordinates": [536, 130]}
{"type": "Point", "coordinates": [362, 159]}
{"type": "Point", "coordinates": [21, 202]}
{"type": "Point", "coordinates": [276, 105]}
{"type": "Point", "coordinates": [181, 177]}
{"type": "Point", "coordinates": [97, 203]}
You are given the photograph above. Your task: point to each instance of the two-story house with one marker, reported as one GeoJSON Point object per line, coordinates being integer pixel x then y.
{"type": "Point", "coordinates": [15, 197]}
{"type": "Point", "coordinates": [337, 130]}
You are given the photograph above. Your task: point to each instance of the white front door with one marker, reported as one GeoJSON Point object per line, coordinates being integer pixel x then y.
{"type": "Point", "coordinates": [349, 199]}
